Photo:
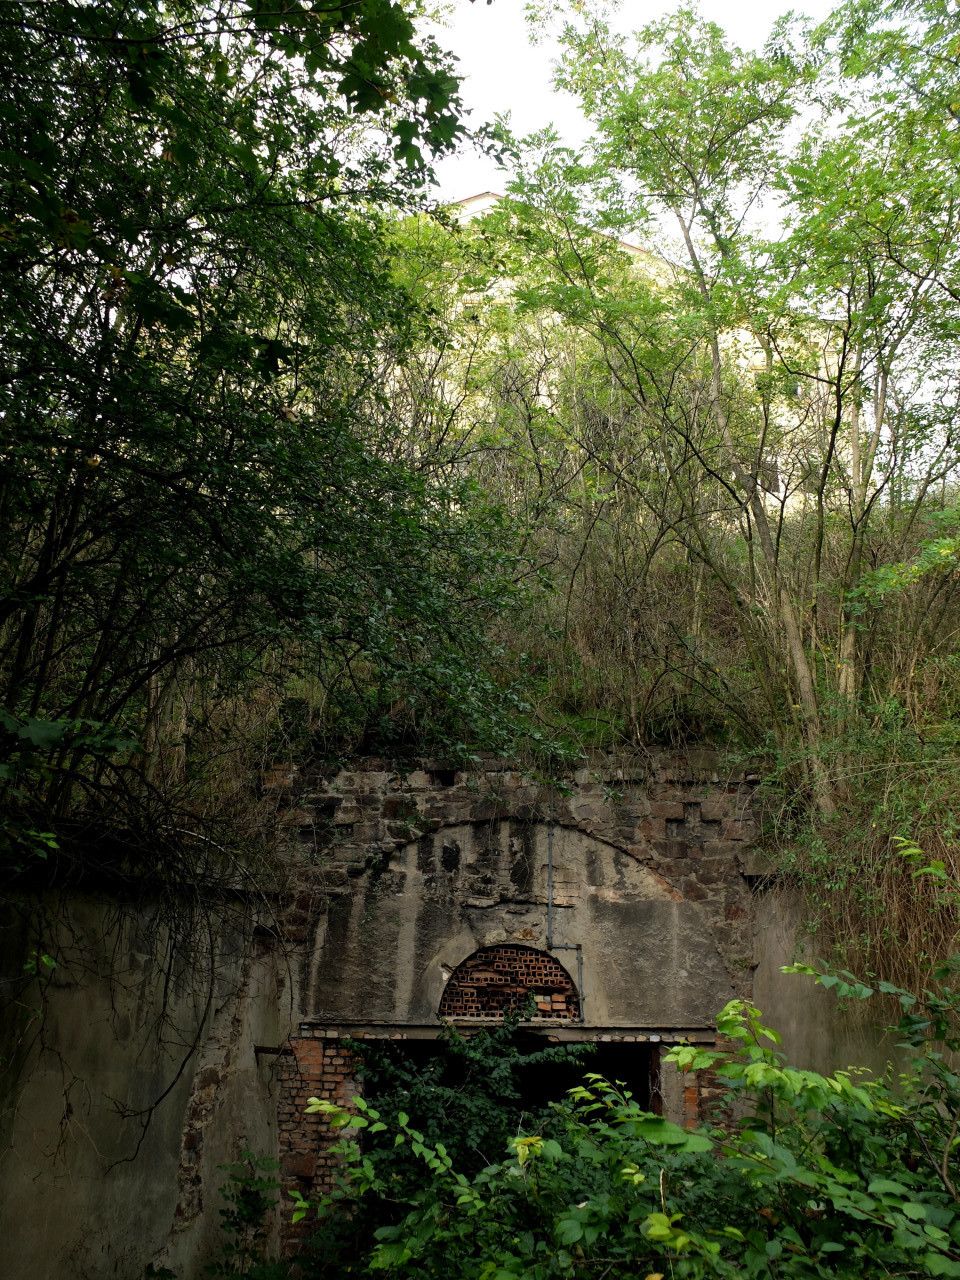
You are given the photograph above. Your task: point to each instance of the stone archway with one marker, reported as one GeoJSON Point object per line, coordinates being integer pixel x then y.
{"type": "Point", "coordinates": [504, 977]}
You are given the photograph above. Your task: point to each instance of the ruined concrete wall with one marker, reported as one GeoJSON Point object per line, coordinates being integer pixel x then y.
{"type": "Point", "coordinates": [817, 1033]}
{"type": "Point", "coordinates": [425, 868]}
{"type": "Point", "coordinates": [636, 876]}
{"type": "Point", "coordinates": [136, 1079]}
{"type": "Point", "coordinates": [631, 876]}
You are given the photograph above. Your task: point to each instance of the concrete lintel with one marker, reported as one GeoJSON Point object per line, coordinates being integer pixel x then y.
{"type": "Point", "coordinates": [561, 1032]}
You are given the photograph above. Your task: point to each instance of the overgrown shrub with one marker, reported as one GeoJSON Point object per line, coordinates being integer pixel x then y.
{"type": "Point", "coordinates": [469, 1098]}
{"type": "Point", "coordinates": [824, 1176]}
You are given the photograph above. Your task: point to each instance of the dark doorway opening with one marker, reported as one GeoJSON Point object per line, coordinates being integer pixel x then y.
{"type": "Point", "coordinates": [629, 1065]}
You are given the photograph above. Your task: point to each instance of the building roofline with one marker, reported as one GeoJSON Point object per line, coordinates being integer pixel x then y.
{"type": "Point", "coordinates": [480, 195]}
{"type": "Point", "coordinates": [633, 249]}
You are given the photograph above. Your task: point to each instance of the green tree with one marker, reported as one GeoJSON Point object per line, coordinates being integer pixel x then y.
{"type": "Point", "coordinates": [735, 440]}
{"type": "Point", "coordinates": [201, 508]}
{"type": "Point", "coordinates": [822, 1176]}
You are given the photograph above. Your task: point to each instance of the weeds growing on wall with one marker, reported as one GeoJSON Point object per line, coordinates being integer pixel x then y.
{"type": "Point", "coordinates": [249, 1191]}
{"type": "Point", "coordinates": [866, 904]}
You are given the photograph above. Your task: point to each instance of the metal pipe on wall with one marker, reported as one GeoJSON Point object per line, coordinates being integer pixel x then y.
{"type": "Point", "coordinates": [561, 946]}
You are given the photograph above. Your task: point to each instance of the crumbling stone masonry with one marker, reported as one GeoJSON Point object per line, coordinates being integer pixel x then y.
{"type": "Point", "coordinates": [315, 1065]}
{"type": "Point", "coordinates": [620, 902]}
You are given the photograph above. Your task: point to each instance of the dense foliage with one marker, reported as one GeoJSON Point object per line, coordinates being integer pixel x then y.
{"type": "Point", "coordinates": [837, 1176]}
{"type": "Point", "coordinates": [283, 449]}
{"type": "Point", "coordinates": [709, 362]}
{"type": "Point", "coordinates": [470, 1094]}
{"type": "Point", "coordinates": [210, 547]}
{"type": "Point", "coordinates": [284, 452]}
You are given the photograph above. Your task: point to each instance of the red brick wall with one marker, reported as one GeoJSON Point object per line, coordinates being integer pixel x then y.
{"type": "Point", "coordinates": [316, 1066]}
{"type": "Point", "coordinates": [495, 979]}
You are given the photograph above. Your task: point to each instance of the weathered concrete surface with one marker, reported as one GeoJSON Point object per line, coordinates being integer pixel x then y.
{"type": "Point", "coordinates": [636, 875]}
{"type": "Point", "coordinates": [388, 947]}
{"type": "Point", "coordinates": [136, 1082]}
{"type": "Point", "coordinates": [424, 868]}
{"type": "Point", "coordinates": [817, 1034]}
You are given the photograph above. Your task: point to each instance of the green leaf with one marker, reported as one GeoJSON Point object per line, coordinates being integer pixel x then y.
{"type": "Point", "coordinates": [569, 1230]}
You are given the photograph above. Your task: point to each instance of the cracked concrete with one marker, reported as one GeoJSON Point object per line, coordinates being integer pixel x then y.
{"type": "Point", "coordinates": [640, 874]}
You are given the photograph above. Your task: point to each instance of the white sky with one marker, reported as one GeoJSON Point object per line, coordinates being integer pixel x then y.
{"type": "Point", "coordinates": [505, 73]}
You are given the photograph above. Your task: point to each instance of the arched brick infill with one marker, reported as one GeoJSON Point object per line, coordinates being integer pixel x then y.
{"type": "Point", "coordinates": [497, 979]}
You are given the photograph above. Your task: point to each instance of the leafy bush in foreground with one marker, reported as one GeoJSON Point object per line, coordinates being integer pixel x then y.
{"type": "Point", "coordinates": [840, 1175]}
